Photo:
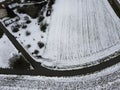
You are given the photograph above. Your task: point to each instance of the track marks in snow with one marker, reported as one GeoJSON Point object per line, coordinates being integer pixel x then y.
{"type": "Point", "coordinates": [80, 29]}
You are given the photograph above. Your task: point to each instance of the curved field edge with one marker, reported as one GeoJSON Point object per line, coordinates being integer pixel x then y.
{"type": "Point", "coordinates": [98, 57]}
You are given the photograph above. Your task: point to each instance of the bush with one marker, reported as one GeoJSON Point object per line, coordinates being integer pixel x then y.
{"type": "Point", "coordinates": [41, 18]}
{"type": "Point", "coordinates": [28, 46]}
{"type": "Point", "coordinates": [51, 3]}
{"type": "Point", "coordinates": [24, 26]}
{"type": "Point", "coordinates": [15, 29]}
{"type": "Point", "coordinates": [40, 44]}
{"type": "Point", "coordinates": [27, 19]}
{"type": "Point", "coordinates": [44, 27]}
{"type": "Point", "coordinates": [36, 52]}
{"type": "Point", "coordinates": [27, 33]}
{"type": "Point", "coordinates": [18, 62]}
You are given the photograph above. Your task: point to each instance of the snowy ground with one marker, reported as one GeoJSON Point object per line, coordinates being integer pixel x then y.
{"type": "Point", "coordinates": [7, 50]}
{"type": "Point", "coordinates": [118, 1]}
{"type": "Point", "coordinates": [2, 0]}
{"type": "Point", "coordinates": [108, 79]}
{"type": "Point", "coordinates": [78, 33]}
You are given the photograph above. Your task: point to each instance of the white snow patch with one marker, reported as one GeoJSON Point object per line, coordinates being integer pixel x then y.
{"type": "Point", "coordinates": [7, 50]}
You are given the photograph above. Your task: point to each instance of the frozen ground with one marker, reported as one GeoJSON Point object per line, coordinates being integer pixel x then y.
{"type": "Point", "coordinates": [118, 1]}
{"type": "Point", "coordinates": [77, 34]}
{"type": "Point", "coordinates": [7, 50]}
{"type": "Point", "coordinates": [2, 0]}
{"type": "Point", "coordinates": [108, 79]}
{"type": "Point", "coordinates": [81, 31]}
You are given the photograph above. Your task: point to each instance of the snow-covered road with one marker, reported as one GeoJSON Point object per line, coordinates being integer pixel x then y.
{"type": "Point", "coordinates": [81, 31]}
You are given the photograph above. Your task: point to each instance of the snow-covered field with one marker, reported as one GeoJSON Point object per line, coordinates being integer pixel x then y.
{"type": "Point", "coordinates": [7, 50]}
{"type": "Point", "coordinates": [81, 31]}
{"type": "Point", "coordinates": [78, 32]}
